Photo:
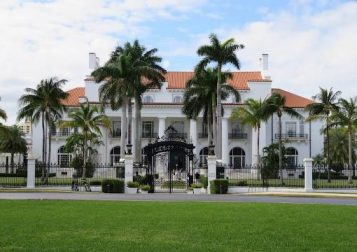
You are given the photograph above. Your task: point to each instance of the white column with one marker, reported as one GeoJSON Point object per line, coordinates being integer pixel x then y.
{"type": "Point", "coordinates": [193, 134]}
{"type": "Point", "coordinates": [31, 164]}
{"type": "Point", "coordinates": [308, 174]}
{"type": "Point", "coordinates": [129, 160]}
{"type": "Point", "coordinates": [161, 126]}
{"type": "Point", "coordinates": [254, 146]}
{"type": "Point", "coordinates": [211, 163]}
{"type": "Point", "coordinates": [263, 138]}
{"type": "Point", "coordinates": [225, 149]}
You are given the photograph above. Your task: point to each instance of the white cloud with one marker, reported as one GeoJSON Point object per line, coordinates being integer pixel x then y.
{"type": "Point", "coordinates": [306, 51]}
{"type": "Point", "coordinates": [53, 38]}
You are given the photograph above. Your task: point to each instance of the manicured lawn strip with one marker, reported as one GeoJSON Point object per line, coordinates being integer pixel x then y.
{"type": "Point", "coordinates": [174, 226]}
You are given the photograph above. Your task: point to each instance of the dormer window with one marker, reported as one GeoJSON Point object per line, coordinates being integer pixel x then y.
{"type": "Point", "coordinates": [177, 99]}
{"type": "Point", "coordinates": [148, 99]}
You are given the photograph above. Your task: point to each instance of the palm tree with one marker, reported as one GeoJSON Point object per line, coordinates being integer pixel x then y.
{"type": "Point", "coordinates": [45, 103]}
{"type": "Point", "coordinates": [201, 96]}
{"type": "Point", "coordinates": [11, 140]}
{"type": "Point", "coordinates": [325, 104]}
{"type": "Point", "coordinates": [221, 53]}
{"type": "Point", "coordinates": [253, 114]}
{"type": "Point", "coordinates": [276, 104]}
{"type": "Point", "coordinates": [130, 72]}
{"type": "Point", "coordinates": [2, 116]}
{"type": "Point", "coordinates": [347, 117]}
{"type": "Point", "coordinates": [88, 119]}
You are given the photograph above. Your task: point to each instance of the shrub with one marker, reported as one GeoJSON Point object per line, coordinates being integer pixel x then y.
{"type": "Point", "coordinates": [242, 183]}
{"type": "Point", "coordinates": [112, 186]}
{"type": "Point", "coordinates": [219, 186]}
{"type": "Point", "coordinates": [198, 185]}
{"type": "Point", "coordinates": [133, 184]}
{"type": "Point", "coordinates": [145, 188]}
{"type": "Point", "coordinates": [204, 181]}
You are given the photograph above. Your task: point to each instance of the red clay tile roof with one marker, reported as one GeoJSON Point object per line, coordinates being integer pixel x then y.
{"type": "Point", "coordinates": [292, 100]}
{"type": "Point", "coordinates": [73, 98]}
{"type": "Point", "coordinates": [177, 80]}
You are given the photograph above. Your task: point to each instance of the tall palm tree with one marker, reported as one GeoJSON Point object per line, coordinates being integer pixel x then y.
{"type": "Point", "coordinates": [88, 119]}
{"type": "Point", "coordinates": [326, 103]}
{"type": "Point", "coordinates": [253, 113]}
{"type": "Point", "coordinates": [11, 140]}
{"type": "Point", "coordinates": [43, 103]}
{"type": "Point", "coordinates": [130, 72]}
{"type": "Point", "coordinates": [347, 117]}
{"type": "Point", "coordinates": [221, 53]}
{"type": "Point", "coordinates": [201, 96]}
{"type": "Point", "coordinates": [276, 104]}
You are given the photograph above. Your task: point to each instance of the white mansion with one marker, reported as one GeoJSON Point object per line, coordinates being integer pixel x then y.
{"type": "Point", "coordinates": [162, 108]}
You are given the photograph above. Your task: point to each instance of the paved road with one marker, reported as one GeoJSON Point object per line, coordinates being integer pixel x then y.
{"type": "Point", "coordinates": [175, 197]}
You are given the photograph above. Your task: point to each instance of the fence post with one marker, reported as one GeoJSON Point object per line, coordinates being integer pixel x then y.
{"type": "Point", "coordinates": [31, 165]}
{"type": "Point", "coordinates": [211, 163]}
{"type": "Point", "coordinates": [129, 161]}
{"type": "Point", "coordinates": [308, 174]}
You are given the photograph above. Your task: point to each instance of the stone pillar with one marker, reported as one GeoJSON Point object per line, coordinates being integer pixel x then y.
{"type": "Point", "coordinates": [308, 174]}
{"type": "Point", "coordinates": [193, 134]}
{"type": "Point", "coordinates": [129, 160]}
{"type": "Point", "coordinates": [31, 165]}
{"type": "Point", "coordinates": [211, 163]}
{"type": "Point", "coordinates": [254, 146]}
{"type": "Point", "coordinates": [225, 149]}
{"type": "Point", "coordinates": [161, 126]}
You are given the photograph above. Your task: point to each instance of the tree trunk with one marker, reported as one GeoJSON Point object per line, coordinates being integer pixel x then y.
{"type": "Point", "coordinates": [138, 131]}
{"type": "Point", "coordinates": [350, 156]}
{"type": "Point", "coordinates": [123, 129]}
{"type": "Point", "coordinates": [219, 114]}
{"type": "Point", "coordinates": [280, 153]}
{"type": "Point", "coordinates": [209, 130]}
{"type": "Point", "coordinates": [214, 125]}
{"type": "Point", "coordinates": [12, 162]}
{"type": "Point", "coordinates": [43, 146]}
{"type": "Point", "coordinates": [328, 152]}
{"type": "Point", "coordinates": [258, 150]}
{"type": "Point", "coordinates": [85, 149]}
{"type": "Point", "coordinates": [130, 120]}
{"type": "Point", "coordinates": [44, 168]}
{"type": "Point", "coordinates": [49, 156]}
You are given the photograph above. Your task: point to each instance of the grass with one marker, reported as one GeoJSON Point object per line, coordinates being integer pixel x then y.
{"type": "Point", "coordinates": [174, 226]}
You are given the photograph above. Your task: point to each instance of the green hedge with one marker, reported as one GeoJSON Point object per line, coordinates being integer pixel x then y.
{"type": "Point", "coordinates": [219, 186]}
{"type": "Point", "coordinates": [204, 181]}
{"type": "Point", "coordinates": [112, 186]}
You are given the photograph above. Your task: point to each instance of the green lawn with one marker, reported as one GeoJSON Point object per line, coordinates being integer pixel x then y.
{"type": "Point", "coordinates": [180, 226]}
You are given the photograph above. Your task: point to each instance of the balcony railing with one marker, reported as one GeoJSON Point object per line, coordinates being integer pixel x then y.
{"type": "Point", "coordinates": [237, 135]}
{"type": "Point", "coordinates": [61, 133]}
{"type": "Point", "coordinates": [292, 136]}
{"type": "Point", "coordinates": [115, 134]}
{"type": "Point", "coordinates": [177, 135]}
{"type": "Point", "coordinates": [149, 135]}
{"type": "Point", "coordinates": [202, 135]}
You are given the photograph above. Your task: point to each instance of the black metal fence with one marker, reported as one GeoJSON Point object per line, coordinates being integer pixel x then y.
{"type": "Point", "coordinates": [337, 177]}
{"type": "Point", "coordinates": [263, 176]}
{"type": "Point", "coordinates": [13, 175]}
{"type": "Point", "coordinates": [56, 175]}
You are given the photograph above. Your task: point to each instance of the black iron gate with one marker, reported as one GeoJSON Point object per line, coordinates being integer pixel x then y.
{"type": "Point", "coordinates": [179, 157]}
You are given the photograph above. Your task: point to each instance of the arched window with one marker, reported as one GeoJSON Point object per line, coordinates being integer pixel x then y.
{"type": "Point", "coordinates": [237, 158]}
{"type": "Point", "coordinates": [177, 99]}
{"type": "Point", "coordinates": [148, 99]}
{"type": "Point", "coordinates": [291, 155]}
{"type": "Point", "coordinates": [63, 158]}
{"type": "Point", "coordinates": [115, 155]}
{"type": "Point", "coordinates": [203, 156]}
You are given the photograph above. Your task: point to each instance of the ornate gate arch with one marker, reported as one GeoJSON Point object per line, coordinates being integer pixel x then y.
{"type": "Point", "coordinates": [179, 163]}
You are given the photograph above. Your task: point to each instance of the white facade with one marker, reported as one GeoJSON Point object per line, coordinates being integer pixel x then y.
{"type": "Point", "coordinates": [162, 108]}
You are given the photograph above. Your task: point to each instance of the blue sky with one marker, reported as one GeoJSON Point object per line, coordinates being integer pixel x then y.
{"type": "Point", "coordinates": [310, 43]}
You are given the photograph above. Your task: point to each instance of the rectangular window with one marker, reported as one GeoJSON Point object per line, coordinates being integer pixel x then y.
{"type": "Point", "coordinates": [237, 128]}
{"type": "Point", "coordinates": [291, 129]}
{"type": "Point", "coordinates": [302, 128]}
{"type": "Point", "coordinates": [148, 129]}
{"type": "Point", "coordinates": [116, 128]}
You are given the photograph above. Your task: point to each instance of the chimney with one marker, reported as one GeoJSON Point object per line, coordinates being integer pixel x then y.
{"type": "Point", "coordinates": [264, 65]}
{"type": "Point", "coordinates": [93, 61]}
